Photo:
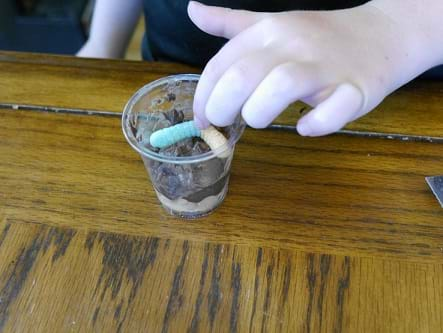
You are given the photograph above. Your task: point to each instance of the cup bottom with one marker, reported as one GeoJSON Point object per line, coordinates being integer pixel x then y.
{"type": "Point", "coordinates": [192, 210]}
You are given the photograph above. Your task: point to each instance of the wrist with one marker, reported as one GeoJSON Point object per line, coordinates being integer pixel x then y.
{"type": "Point", "coordinates": [98, 49]}
{"type": "Point", "coordinates": [107, 46]}
{"type": "Point", "coordinates": [418, 23]}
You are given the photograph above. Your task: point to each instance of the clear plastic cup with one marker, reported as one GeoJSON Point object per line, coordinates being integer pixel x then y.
{"type": "Point", "coordinates": [187, 186]}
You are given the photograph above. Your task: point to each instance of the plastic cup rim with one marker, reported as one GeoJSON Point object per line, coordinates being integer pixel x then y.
{"type": "Point", "coordinates": [159, 157]}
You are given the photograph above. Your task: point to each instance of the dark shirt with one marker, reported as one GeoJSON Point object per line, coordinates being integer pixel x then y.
{"type": "Point", "coordinates": [171, 36]}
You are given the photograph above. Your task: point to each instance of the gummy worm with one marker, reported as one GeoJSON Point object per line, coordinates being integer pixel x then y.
{"type": "Point", "coordinates": [170, 135]}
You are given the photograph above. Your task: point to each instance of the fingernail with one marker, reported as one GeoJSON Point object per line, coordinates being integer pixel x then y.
{"type": "Point", "coordinates": [304, 129]}
{"type": "Point", "coordinates": [194, 3]}
{"type": "Point", "coordinates": [199, 123]}
{"type": "Point", "coordinates": [190, 5]}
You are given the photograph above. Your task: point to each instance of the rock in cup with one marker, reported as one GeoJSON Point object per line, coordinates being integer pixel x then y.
{"type": "Point", "coordinates": [190, 179]}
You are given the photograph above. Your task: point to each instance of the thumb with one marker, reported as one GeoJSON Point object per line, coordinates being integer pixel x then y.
{"type": "Point", "coordinates": [221, 22]}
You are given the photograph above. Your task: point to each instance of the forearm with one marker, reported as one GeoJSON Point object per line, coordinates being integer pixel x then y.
{"type": "Point", "coordinates": [113, 24]}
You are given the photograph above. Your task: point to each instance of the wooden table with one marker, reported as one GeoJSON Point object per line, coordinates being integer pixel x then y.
{"type": "Point", "coordinates": [333, 234]}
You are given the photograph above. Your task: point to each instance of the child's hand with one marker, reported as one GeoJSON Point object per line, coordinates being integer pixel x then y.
{"type": "Point", "coordinates": [344, 63]}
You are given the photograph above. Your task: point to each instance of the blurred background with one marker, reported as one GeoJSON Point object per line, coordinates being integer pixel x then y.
{"type": "Point", "coordinates": [52, 26]}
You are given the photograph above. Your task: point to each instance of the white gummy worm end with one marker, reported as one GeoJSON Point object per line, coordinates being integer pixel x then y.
{"type": "Point", "coordinates": [215, 140]}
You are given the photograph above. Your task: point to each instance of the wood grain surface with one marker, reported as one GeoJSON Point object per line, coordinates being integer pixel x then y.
{"type": "Point", "coordinates": [338, 194]}
{"type": "Point", "coordinates": [63, 280]}
{"type": "Point", "coordinates": [334, 234]}
{"type": "Point", "coordinates": [106, 85]}
{"type": "Point", "coordinates": [313, 211]}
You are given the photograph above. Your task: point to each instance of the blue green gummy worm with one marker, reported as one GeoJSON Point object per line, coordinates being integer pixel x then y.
{"type": "Point", "coordinates": [168, 136]}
